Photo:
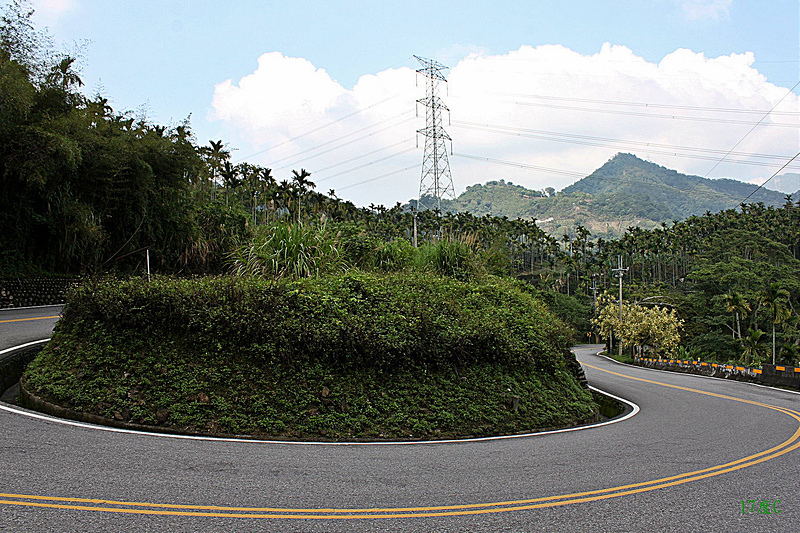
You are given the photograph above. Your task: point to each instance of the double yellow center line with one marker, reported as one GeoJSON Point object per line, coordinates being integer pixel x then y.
{"type": "Point", "coordinates": [27, 319]}
{"type": "Point", "coordinates": [140, 508]}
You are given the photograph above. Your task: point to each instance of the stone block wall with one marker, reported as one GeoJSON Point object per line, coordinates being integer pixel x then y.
{"type": "Point", "coordinates": [33, 291]}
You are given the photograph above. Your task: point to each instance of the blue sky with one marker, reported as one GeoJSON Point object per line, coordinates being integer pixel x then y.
{"type": "Point", "coordinates": [261, 75]}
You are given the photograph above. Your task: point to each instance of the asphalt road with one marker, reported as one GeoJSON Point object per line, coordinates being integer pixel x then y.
{"type": "Point", "coordinates": [18, 326]}
{"type": "Point", "coordinates": [697, 449]}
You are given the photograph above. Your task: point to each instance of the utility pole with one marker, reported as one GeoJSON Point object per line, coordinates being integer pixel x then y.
{"type": "Point", "coordinates": [415, 227]}
{"type": "Point", "coordinates": [594, 288]}
{"type": "Point", "coordinates": [435, 181]}
{"type": "Point", "coordinates": [619, 273]}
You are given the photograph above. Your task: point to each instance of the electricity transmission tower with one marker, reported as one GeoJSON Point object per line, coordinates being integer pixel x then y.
{"type": "Point", "coordinates": [436, 182]}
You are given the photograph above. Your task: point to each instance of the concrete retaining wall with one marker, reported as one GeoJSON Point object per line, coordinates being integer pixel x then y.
{"type": "Point", "coordinates": [13, 364]}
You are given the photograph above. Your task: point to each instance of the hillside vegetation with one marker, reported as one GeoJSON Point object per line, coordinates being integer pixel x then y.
{"type": "Point", "coordinates": [626, 191]}
{"type": "Point", "coordinates": [353, 356]}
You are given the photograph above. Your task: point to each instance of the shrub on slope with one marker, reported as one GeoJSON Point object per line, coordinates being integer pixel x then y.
{"type": "Point", "coordinates": [360, 355]}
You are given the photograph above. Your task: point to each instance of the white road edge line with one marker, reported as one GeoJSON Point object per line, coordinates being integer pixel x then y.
{"type": "Point", "coordinates": [38, 416]}
{"type": "Point", "coordinates": [30, 307]}
{"type": "Point", "coordinates": [21, 346]}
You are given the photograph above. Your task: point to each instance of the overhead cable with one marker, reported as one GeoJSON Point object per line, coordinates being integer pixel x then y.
{"type": "Point", "coordinates": [619, 144]}
{"type": "Point", "coordinates": [775, 174]}
{"type": "Point", "coordinates": [343, 144]}
{"type": "Point", "coordinates": [327, 124]}
{"type": "Point", "coordinates": [376, 178]}
{"type": "Point", "coordinates": [657, 115]}
{"type": "Point", "coordinates": [523, 165]}
{"type": "Point", "coordinates": [359, 167]}
{"type": "Point", "coordinates": [754, 127]}
{"type": "Point", "coordinates": [345, 161]}
{"type": "Point", "coordinates": [652, 105]}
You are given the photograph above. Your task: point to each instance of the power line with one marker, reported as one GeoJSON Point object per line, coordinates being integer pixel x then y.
{"type": "Point", "coordinates": [522, 165]}
{"type": "Point", "coordinates": [548, 135]}
{"type": "Point", "coordinates": [327, 124]}
{"type": "Point", "coordinates": [365, 165]}
{"type": "Point", "coordinates": [376, 178]}
{"type": "Point", "coordinates": [655, 115]}
{"type": "Point", "coordinates": [751, 131]}
{"type": "Point", "coordinates": [544, 134]}
{"type": "Point", "coordinates": [361, 156]}
{"type": "Point", "coordinates": [651, 105]}
{"type": "Point", "coordinates": [776, 173]}
{"type": "Point", "coordinates": [618, 144]}
{"type": "Point", "coordinates": [717, 161]}
{"type": "Point", "coordinates": [343, 144]}
{"type": "Point", "coordinates": [572, 74]}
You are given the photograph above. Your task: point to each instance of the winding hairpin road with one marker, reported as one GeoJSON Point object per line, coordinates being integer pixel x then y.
{"type": "Point", "coordinates": [701, 455]}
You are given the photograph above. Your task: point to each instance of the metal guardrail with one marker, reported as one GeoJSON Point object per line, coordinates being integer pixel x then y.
{"type": "Point", "coordinates": [783, 375]}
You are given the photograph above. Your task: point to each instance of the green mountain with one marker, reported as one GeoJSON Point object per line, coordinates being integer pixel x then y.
{"type": "Point", "coordinates": [626, 191]}
{"type": "Point", "coordinates": [665, 193]}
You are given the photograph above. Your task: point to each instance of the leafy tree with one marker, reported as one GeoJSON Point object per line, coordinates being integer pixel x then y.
{"type": "Point", "coordinates": [738, 305]}
{"type": "Point", "coordinates": [752, 343]}
{"type": "Point", "coordinates": [654, 328]}
{"type": "Point", "coordinates": [776, 301]}
{"type": "Point", "coordinates": [301, 185]}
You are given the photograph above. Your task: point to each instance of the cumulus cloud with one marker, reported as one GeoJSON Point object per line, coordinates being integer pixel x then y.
{"type": "Point", "coordinates": [282, 95]}
{"type": "Point", "coordinates": [512, 116]}
{"type": "Point", "coordinates": [705, 9]}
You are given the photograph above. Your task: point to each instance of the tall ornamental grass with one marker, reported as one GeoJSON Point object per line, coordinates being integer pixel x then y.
{"type": "Point", "coordinates": [292, 251]}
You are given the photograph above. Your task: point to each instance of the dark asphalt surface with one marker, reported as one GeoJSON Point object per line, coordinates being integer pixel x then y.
{"type": "Point", "coordinates": [676, 432]}
{"type": "Point", "coordinates": [17, 326]}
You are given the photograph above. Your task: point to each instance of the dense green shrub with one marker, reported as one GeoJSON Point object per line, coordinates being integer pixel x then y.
{"type": "Point", "coordinates": [161, 384]}
{"type": "Point", "coordinates": [359, 355]}
{"type": "Point", "coordinates": [394, 255]}
{"type": "Point", "coordinates": [361, 319]}
{"type": "Point", "coordinates": [356, 244]}
{"type": "Point", "coordinates": [575, 310]}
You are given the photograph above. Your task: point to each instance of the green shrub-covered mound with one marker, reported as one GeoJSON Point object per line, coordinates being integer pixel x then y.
{"type": "Point", "coordinates": [348, 357]}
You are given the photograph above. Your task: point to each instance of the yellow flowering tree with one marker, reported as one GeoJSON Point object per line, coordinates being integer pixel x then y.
{"type": "Point", "coordinates": [656, 328]}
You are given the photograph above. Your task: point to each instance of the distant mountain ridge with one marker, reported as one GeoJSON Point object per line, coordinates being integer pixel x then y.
{"type": "Point", "coordinates": [625, 191]}
{"type": "Point", "coordinates": [786, 183]}
{"type": "Point", "coordinates": [680, 195]}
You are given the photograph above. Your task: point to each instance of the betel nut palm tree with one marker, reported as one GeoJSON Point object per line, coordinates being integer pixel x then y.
{"type": "Point", "coordinates": [302, 184]}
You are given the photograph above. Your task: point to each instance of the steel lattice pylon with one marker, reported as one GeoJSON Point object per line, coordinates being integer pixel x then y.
{"type": "Point", "coordinates": [436, 182]}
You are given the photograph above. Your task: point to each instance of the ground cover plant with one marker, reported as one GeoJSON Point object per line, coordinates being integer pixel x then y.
{"type": "Point", "coordinates": [359, 355]}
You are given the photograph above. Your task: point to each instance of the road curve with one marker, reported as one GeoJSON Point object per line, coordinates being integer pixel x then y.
{"type": "Point", "coordinates": [21, 325]}
{"type": "Point", "coordinates": [698, 448]}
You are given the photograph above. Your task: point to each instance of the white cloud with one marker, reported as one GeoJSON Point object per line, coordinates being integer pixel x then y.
{"type": "Point", "coordinates": [548, 106]}
{"type": "Point", "coordinates": [297, 116]}
{"type": "Point", "coordinates": [282, 95]}
{"type": "Point", "coordinates": [452, 54]}
{"type": "Point", "coordinates": [705, 9]}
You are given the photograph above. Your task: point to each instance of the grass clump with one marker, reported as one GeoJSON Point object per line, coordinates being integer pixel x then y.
{"type": "Point", "coordinates": [288, 250]}
{"type": "Point", "coordinates": [452, 257]}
